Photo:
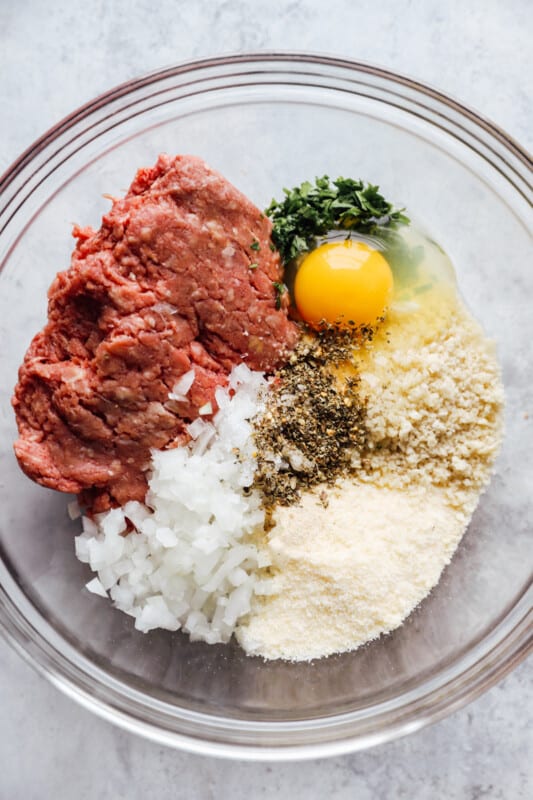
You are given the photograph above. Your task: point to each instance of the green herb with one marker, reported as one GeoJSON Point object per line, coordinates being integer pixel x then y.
{"type": "Point", "coordinates": [311, 211]}
{"type": "Point", "coordinates": [255, 245]}
{"type": "Point", "coordinates": [280, 289]}
{"type": "Point", "coordinates": [253, 266]}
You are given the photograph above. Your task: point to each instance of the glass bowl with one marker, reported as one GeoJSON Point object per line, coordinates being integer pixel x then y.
{"type": "Point", "coordinates": [268, 121]}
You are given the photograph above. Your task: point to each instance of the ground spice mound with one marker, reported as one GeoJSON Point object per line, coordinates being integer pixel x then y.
{"type": "Point", "coordinates": [314, 417]}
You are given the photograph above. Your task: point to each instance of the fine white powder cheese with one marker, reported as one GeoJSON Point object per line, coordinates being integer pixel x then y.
{"type": "Point", "coordinates": [352, 571]}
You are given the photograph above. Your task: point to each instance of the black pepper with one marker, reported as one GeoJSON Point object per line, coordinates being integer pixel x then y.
{"type": "Point", "coordinates": [314, 417]}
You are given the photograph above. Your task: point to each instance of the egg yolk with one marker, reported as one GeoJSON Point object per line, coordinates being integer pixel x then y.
{"type": "Point", "coordinates": [343, 283]}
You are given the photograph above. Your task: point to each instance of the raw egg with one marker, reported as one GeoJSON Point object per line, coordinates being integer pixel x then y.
{"type": "Point", "coordinates": [343, 283]}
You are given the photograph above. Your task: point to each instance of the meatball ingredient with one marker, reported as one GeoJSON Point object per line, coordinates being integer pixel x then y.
{"type": "Point", "coordinates": [344, 284]}
{"type": "Point", "coordinates": [165, 286]}
{"type": "Point", "coordinates": [351, 562]}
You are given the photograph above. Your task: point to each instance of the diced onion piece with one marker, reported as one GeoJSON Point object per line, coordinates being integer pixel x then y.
{"type": "Point", "coordinates": [96, 587]}
{"type": "Point", "coordinates": [182, 386]}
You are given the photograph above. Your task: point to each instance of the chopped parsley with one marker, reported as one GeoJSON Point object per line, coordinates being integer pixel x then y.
{"type": "Point", "coordinates": [280, 289]}
{"type": "Point", "coordinates": [253, 266]}
{"type": "Point", "coordinates": [310, 211]}
{"type": "Point", "coordinates": [255, 245]}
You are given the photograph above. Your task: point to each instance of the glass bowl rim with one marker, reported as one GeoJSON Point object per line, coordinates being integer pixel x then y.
{"type": "Point", "coordinates": [443, 698]}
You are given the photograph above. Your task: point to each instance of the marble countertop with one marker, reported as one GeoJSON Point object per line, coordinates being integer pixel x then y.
{"type": "Point", "coordinates": [54, 56]}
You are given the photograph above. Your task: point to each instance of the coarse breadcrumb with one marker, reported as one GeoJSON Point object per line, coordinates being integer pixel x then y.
{"type": "Point", "coordinates": [434, 413]}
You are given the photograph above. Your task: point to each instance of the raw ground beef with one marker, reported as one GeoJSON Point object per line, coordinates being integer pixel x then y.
{"type": "Point", "coordinates": [167, 284]}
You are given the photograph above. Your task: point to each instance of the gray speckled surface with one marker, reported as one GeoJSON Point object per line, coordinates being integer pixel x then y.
{"type": "Point", "coordinates": [53, 57]}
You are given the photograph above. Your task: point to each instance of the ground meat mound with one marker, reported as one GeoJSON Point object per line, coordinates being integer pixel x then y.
{"type": "Point", "coordinates": [180, 276]}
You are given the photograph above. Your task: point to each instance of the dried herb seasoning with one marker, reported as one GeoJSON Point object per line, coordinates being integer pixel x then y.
{"type": "Point", "coordinates": [314, 417]}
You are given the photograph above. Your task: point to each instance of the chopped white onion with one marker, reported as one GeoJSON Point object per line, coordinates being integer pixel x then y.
{"type": "Point", "coordinates": [182, 387]}
{"type": "Point", "coordinates": [190, 562]}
